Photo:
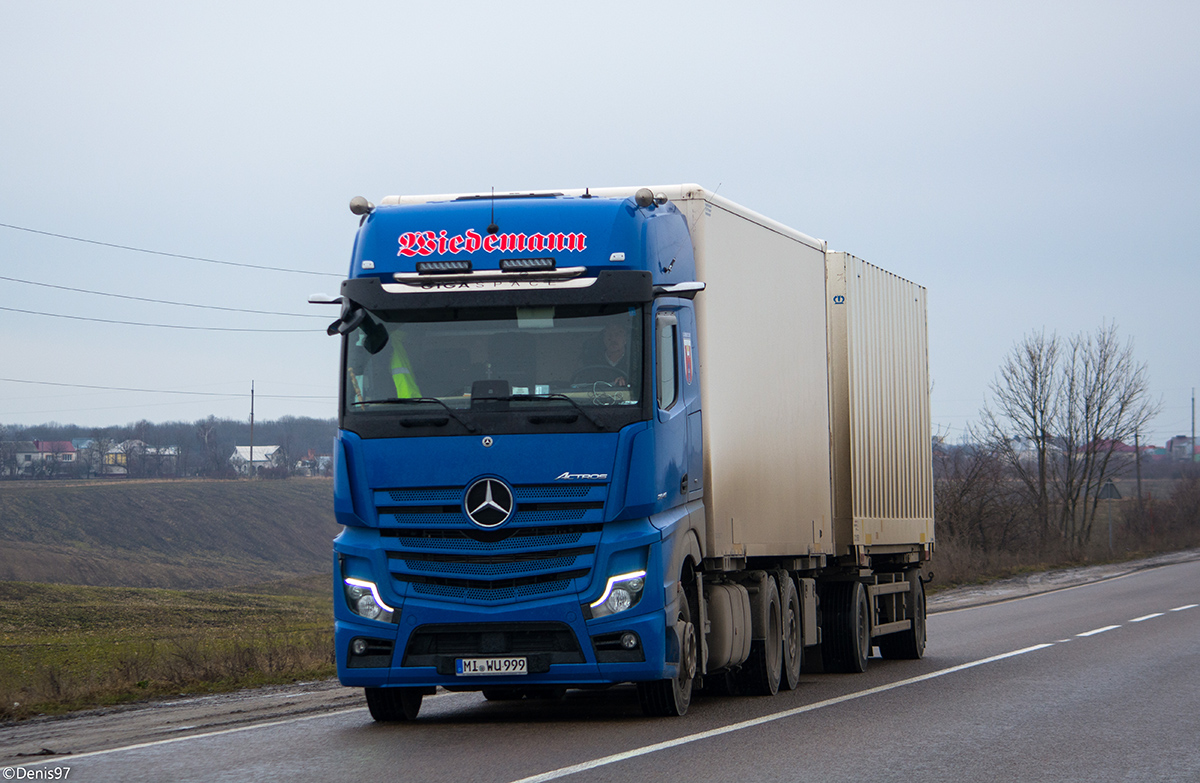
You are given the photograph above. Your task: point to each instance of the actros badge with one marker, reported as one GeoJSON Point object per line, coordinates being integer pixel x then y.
{"type": "Point", "coordinates": [489, 502]}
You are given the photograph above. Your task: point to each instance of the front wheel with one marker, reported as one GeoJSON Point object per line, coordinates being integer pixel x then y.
{"type": "Point", "coordinates": [669, 698]}
{"type": "Point", "coordinates": [388, 705]}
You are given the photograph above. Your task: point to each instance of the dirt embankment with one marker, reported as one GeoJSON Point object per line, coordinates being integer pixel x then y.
{"type": "Point", "coordinates": [180, 534]}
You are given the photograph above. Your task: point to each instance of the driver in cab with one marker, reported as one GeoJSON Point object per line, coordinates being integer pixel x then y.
{"type": "Point", "coordinates": [612, 365]}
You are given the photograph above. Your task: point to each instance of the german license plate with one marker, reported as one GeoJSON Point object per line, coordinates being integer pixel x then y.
{"type": "Point", "coordinates": [474, 666]}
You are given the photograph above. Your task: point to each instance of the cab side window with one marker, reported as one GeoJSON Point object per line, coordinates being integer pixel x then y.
{"type": "Point", "coordinates": [668, 384]}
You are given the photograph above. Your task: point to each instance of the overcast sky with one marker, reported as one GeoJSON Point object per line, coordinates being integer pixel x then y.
{"type": "Point", "coordinates": [1034, 165]}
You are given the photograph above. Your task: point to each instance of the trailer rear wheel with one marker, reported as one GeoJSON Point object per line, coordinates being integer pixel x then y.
{"type": "Point", "coordinates": [793, 640]}
{"type": "Point", "coordinates": [910, 644]}
{"type": "Point", "coordinates": [763, 669]}
{"type": "Point", "coordinates": [388, 705]}
{"type": "Point", "coordinates": [846, 627]}
{"type": "Point", "coordinates": [669, 698]}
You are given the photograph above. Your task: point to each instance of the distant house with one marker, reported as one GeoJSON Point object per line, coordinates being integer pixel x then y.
{"type": "Point", "coordinates": [37, 457]}
{"type": "Point", "coordinates": [1025, 449]}
{"type": "Point", "coordinates": [1117, 447]}
{"type": "Point", "coordinates": [1180, 447]}
{"type": "Point", "coordinates": [135, 458]}
{"type": "Point", "coordinates": [314, 464]}
{"type": "Point", "coordinates": [264, 457]}
{"type": "Point", "coordinates": [17, 456]}
{"type": "Point", "coordinates": [56, 450]}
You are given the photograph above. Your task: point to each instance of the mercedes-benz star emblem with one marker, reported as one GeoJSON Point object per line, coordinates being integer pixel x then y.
{"type": "Point", "coordinates": [489, 502]}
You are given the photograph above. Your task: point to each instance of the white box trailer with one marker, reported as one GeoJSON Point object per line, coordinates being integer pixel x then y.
{"type": "Point", "coordinates": [879, 393]}
{"type": "Point", "coordinates": [817, 438]}
{"type": "Point", "coordinates": [816, 392]}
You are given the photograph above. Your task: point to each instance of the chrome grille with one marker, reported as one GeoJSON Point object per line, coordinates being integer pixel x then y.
{"type": "Point", "coordinates": [549, 543]}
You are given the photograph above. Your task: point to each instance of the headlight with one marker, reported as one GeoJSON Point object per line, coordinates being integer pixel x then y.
{"type": "Point", "coordinates": [363, 599]}
{"type": "Point", "coordinates": [622, 592]}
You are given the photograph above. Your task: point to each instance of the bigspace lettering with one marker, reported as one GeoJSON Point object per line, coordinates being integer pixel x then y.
{"type": "Point", "coordinates": [429, 243]}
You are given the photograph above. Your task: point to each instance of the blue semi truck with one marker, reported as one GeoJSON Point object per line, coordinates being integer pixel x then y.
{"type": "Point", "coordinates": [624, 435]}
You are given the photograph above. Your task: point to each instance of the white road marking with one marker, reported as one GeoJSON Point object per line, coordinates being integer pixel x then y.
{"type": "Point", "coordinates": [1181, 608]}
{"type": "Point", "coordinates": [1146, 617]}
{"type": "Point", "coordinates": [629, 754]}
{"type": "Point", "coordinates": [1098, 630]}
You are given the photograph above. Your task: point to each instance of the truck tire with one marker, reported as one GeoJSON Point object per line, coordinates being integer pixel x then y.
{"type": "Point", "coordinates": [670, 698]}
{"type": "Point", "coordinates": [846, 627]}
{"type": "Point", "coordinates": [388, 705]}
{"type": "Point", "coordinates": [763, 669]}
{"type": "Point", "coordinates": [793, 641]}
{"type": "Point", "coordinates": [910, 644]}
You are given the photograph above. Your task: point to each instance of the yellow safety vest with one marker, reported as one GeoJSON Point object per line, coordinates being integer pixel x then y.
{"type": "Point", "coordinates": [402, 375]}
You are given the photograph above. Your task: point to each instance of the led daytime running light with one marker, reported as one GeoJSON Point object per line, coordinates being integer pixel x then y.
{"type": "Point", "coordinates": [612, 582]}
{"type": "Point", "coordinates": [364, 584]}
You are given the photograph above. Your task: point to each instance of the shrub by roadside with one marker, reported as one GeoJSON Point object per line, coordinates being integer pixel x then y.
{"type": "Point", "coordinates": [976, 542]}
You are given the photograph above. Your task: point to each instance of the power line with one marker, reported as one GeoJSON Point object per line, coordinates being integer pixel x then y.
{"type": "Point", "coordinates": [60, 411]}
{"type": "Point", "coordinates": [159, 301]}
{"type": "Point", "coordinates": [160, 326]}
{"type": "Point", "coordinates": [169, 255]}
{"type": "Point", "coordinates": [170, 391]}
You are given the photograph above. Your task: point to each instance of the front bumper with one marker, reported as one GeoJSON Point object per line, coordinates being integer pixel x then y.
{"type": "Point", "coordinates": [557, 643]}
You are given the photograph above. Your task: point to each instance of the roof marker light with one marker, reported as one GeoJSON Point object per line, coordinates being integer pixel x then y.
{"type": "Point", "coordinates": [443, 267]}
{"type": "Point", "coordinates": [525, 264]}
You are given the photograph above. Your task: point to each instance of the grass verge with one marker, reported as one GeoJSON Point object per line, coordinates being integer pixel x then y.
{"type": "Point", "coordinates": [69, 647]}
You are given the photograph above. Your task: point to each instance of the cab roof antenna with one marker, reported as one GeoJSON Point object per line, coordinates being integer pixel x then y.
{"type": "Point", "coordinates": [492, 227]}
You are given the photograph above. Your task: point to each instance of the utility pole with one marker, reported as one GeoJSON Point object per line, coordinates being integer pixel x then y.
{"type": "Point", "coordinates": [251, 429]}
{"type": "Point", "coordinates": [1137, 461]}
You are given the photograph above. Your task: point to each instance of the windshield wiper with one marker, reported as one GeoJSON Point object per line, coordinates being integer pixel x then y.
{"type": "Point", "coordinates": [527, 397]}
{"type": "Point", "coordinates": [407, 400]}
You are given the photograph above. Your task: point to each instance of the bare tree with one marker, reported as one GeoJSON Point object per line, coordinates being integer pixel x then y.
{"type": "Point", "coordinates": [1021, 429]}
{"type": "Point", "coordinates": [52, 458]}
{"type": "Point", "coordinates": [286, 456]}
{"type": "Point", "coordinates": [216, 447]}
{"type": "Point", "coordinates": [97, 451]}
{"type": "Point", "coordinates": [974, 500]}
{"type": "Point", "coordinates": [8, 453]}
{"type": "Point", "coordinates": [133, 452]}
{"type": "Point", "coordinates": [1061, 414]}
{"type": "Point", "coordinates": [1105, 402]}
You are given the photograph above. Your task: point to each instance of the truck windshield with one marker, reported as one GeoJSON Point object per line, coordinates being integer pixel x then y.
{"type": "Point", "coordinates": [514, 359]}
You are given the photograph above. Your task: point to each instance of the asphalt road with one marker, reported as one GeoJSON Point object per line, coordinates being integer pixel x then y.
{"type": "Point", "coordinates": [1099, 682]}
